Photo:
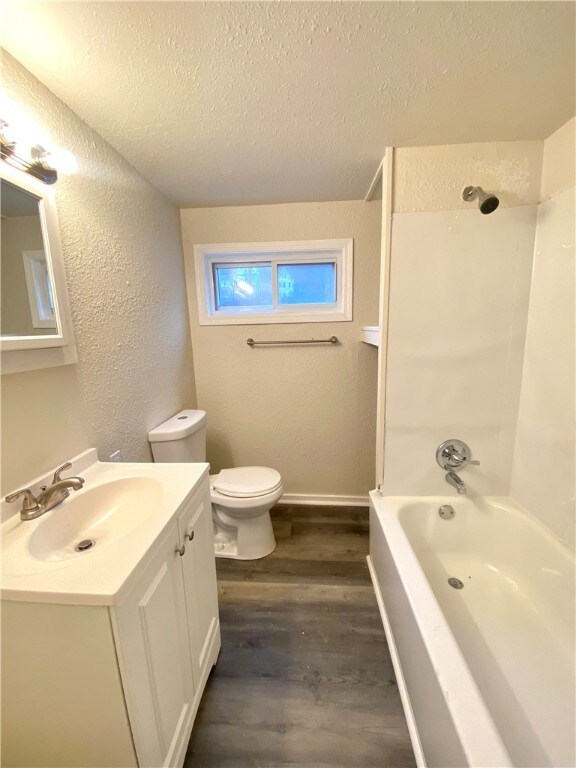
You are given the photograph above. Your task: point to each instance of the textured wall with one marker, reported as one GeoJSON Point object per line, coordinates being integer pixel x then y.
{"type": "Point", "coordinates": [307, 411]}
{"type": "Point", "coordinates": [432, 178]}
{"type": "Point", "coordinates": [123, 259]}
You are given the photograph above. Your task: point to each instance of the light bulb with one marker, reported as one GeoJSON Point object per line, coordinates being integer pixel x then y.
{"type": "Point", "coordinates": [63, 160]}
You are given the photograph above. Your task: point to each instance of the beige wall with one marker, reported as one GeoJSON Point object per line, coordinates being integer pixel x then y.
{"type": "Point", "coordinates": [18, 234]}
{"type": "Point", "coordinates": [559, 161]}
{"type": "Point", "coordinates": [307, 411]}
{"type": "Point", "coordinates": [433, 178]}
{"type": "Point", "coordinates": [543, 476]}
{"type": "Point", "coordinates": [122, 252]}
{"type": "Point", "coordinates": [459, 288]}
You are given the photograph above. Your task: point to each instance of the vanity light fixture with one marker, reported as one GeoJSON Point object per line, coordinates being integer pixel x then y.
{"type": "Point", "coordinates": [38, 163]}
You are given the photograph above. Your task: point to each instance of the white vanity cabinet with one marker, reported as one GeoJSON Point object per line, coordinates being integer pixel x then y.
{"type": "Point", "coordinates": [117, 685]}
{"type": "Point", "coordinates": [199, 568]}
{"type": "Point", "coordinates": [167, 636]}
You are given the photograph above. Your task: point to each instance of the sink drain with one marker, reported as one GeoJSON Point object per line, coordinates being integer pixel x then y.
{"type": "Point", "coordinates": [456, 583]}
{"type": "Point", "coordinates": [85, 544]}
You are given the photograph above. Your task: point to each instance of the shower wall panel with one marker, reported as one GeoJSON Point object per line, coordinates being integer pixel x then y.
{"type": "Point", "coordinates": [459, 291]}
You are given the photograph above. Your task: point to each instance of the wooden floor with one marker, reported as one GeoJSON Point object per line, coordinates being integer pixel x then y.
{"type": "Point", "coordinates": [304, 677]}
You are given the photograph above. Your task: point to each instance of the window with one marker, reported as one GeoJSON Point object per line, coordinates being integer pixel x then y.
{"type": "Point", "coordinates": [297, 282]}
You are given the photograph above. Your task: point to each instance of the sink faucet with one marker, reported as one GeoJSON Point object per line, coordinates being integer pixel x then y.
{"type": "Point", "coordinates": [453, 480]}
{"type": "Point", "coordinates": [49, 497]}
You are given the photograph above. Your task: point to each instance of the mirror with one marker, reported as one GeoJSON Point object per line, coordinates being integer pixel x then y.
{"type": "Point", "coordinates": [27, 291]}
{"type": "Point", "coordinates": [34, 311]}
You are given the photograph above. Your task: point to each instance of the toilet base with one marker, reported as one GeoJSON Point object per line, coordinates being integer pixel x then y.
{"type": "Point", "coordinates": [242, 538]}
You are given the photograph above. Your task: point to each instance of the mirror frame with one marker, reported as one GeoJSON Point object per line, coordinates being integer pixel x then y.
{"type": "Point", "coordinates": [57, 348]}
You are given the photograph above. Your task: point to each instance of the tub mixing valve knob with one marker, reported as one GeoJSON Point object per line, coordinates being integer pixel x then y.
{"type": "Point", "coordinates": [454, 454]}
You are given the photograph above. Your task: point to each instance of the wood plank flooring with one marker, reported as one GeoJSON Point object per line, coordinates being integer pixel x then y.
{"type": "Point", "coordinates": [304, 677]}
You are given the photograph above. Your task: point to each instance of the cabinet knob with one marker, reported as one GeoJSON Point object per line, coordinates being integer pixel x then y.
{"type": "Point", "coordinates": [180, 550]}
{"type": "Point", "coordinates": [189, 536]}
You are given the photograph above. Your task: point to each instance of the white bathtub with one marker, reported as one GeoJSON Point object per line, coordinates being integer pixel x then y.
{"type": "Point", "coordinates": [486, 672]}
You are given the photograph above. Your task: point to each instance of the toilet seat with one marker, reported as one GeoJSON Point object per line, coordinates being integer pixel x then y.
{"type": "Point", "coordinates": [246, 482]}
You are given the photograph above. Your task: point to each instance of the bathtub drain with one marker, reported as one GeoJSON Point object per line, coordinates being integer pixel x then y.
{"type": "Point", "coordinates": [456, 583]}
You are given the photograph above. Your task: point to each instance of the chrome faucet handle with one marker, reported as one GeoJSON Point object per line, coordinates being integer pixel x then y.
{"type": "Point", "coordinates": [454, 454]}
{"type": "Point", "coordinates": [57, 478]}
{"type": "Point", "coordinates": [30, 503]}
{"type": "Point", "coordinates": [451, 453]}
{"type": "Point", "coordinates": [459, 459]}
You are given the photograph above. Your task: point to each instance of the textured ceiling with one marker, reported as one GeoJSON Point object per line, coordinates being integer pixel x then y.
{"type": "Point", "coordinates": [238, 103]}
{"type": "Point", "coordinates": [16, 202]}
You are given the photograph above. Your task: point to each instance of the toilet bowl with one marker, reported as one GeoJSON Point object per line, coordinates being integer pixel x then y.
{"type": "Point", "coordinates": [241, 501]}
{"type": "Point", "coordinates": [241, 496]}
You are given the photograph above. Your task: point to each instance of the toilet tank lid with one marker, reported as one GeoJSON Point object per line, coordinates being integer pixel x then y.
{"type": "Point", "coordinates": [178, 427]}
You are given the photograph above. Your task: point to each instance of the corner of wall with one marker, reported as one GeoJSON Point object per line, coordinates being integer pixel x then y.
{"type": "Point", "coordinates": [432, 178]}
{"type": "Point", "coordinates": [559, 161]}
{"type": "Point", "coordinates": [122, 250]}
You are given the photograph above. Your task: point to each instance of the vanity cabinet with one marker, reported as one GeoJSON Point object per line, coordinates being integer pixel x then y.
{"type": "Point", "coordinates": [117, 685]}
{"type": "Point", "coordinates": [167, 635]}
{"type": "Point", "coordinates": [199, 569]}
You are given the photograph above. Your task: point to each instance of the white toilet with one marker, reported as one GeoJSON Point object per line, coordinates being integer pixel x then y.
{"type": "Point", "coordinates": [241, 497]}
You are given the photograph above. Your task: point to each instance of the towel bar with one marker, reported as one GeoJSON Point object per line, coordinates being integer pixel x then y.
{"type": "Point", "coordinates": [331, 340]}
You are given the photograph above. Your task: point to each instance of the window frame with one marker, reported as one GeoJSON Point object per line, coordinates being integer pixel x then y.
{"type": "Point", "coordinates": [38, 285]}
{"type": "Point", "coordinates": [208, 256]}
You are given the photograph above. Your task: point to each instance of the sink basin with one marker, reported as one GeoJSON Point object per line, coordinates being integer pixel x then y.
{"type": "Point", "coordinates": [122, 510]}
{"type": "Point", "coordinates": [94, 517]}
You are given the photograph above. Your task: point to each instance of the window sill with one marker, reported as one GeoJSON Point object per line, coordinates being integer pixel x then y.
{"type": "Point", "coordinates": [263, 319]}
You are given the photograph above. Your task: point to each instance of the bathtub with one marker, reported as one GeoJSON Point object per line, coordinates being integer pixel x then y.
{"type": "Point", "coordinates": [485, 671]}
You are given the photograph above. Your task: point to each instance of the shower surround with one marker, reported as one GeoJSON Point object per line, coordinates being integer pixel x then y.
{"type": "Point", "coordinates": [481, 349]}
{"type": "Point", "coordinates": [481, 323]}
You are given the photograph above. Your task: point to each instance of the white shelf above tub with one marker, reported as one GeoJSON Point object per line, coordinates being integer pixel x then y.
{"type": "Point", "coordinates": [370, 334]}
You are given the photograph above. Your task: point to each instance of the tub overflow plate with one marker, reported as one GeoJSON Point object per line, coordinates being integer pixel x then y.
{"type": "Point", "coordinates": [446, 512]}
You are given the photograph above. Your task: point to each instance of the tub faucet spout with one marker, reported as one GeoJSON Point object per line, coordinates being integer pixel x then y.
{"type": "Point", "coordinates": [453, 480]}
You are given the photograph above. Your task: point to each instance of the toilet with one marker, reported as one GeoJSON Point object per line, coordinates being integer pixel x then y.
{"type": "Point", "coordinates": [241, 496]}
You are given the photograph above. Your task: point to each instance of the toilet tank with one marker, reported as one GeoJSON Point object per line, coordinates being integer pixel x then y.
{"type": "Point", "coordinates": [180, 439]}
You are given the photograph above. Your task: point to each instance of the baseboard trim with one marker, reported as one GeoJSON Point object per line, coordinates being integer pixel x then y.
{"type": "Point", "coordinates": [324, 500]}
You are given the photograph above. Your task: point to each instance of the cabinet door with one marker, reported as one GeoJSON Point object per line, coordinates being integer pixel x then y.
{"type": "Point", "coordinates": [154, 654]}
{"type": "Point", "coordinates": [199, 567]}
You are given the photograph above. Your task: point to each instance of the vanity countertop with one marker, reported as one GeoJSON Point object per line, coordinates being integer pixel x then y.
{"type": "Point", "coordinates": [39, 563]}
